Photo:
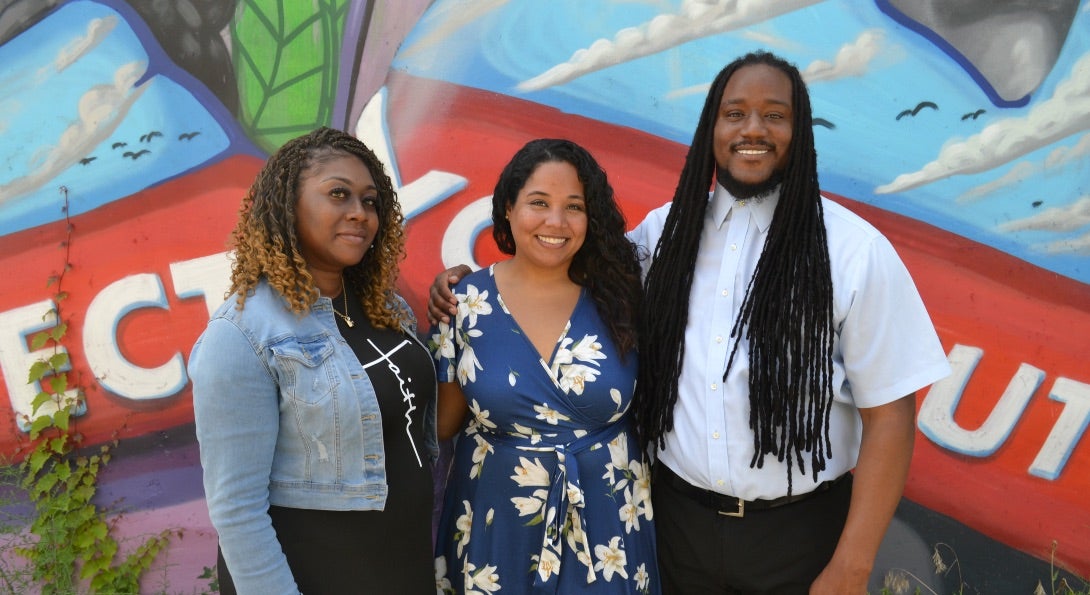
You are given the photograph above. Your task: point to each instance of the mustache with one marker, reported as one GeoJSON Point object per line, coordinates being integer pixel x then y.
{"type": "Point", "coordinates": [750, 145]}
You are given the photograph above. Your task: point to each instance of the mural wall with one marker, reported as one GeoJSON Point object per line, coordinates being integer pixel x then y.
{"type": "Point", "coordinates": [129, 132]}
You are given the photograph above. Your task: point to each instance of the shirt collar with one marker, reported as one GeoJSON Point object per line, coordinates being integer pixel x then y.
{"type": "Point", "coordinates": [723, 203]}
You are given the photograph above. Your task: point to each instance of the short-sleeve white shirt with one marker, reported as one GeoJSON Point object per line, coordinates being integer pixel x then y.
{"type": "Point", "coordinates": [884, 345]}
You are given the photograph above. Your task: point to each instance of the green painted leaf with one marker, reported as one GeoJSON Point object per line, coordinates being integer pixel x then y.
{"type": "Point", "coordinates": [287, 56]}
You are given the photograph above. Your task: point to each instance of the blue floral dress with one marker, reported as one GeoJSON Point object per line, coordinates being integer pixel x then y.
{"type": "Point", "coordinates": [548, 492]}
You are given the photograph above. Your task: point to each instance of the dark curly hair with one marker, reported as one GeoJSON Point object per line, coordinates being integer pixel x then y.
{"type": "Point", "coordinates": [266, 245]}
{"type": "Point", "coordinates": [786, 317]}
{"type": "Point", "coordinates": [606, 264]}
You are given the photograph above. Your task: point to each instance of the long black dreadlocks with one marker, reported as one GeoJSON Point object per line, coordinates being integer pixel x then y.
{"type": "Point", "coordinates": [786, 316]}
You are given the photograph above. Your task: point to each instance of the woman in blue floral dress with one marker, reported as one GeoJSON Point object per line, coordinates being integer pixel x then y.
{"type": "Point", "coordinates": [548, 492]}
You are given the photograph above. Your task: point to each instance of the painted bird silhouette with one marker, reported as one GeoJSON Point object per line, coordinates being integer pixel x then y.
{"type": "Point", "coordinates": [973, 115]}
{"type": "Point", "coordinates": [87, 160]}
{"type": "Point", "coordinates": [916, 110]}
{"type": "Point", "coordinates": [824, 122]}
{"type": "Point", "coordinates": [119, 144]}
{"type": "Point", "coordinates": [187, 135]}
{"type": "Point", "coordinates": [147, 137]}
{"type": "Point", "coordinates": [135, 155]}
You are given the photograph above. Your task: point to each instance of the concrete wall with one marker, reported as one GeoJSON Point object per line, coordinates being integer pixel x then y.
{"type": "Point", "coordinates": [129, 131]}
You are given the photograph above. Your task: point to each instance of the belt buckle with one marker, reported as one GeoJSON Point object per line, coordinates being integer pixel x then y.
{"type": "Point", "coordinates": [741, 510]}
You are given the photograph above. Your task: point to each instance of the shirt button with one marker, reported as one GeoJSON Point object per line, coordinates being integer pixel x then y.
{"type": "Point", "coordinates": [715, 435]}
{"type": "Point", "coordinates": [733, 247]}
{"type": "Point", "coordinates": [741, 203]}
{"type": "Point", "coordinates": [720, 482]}
{"type": "Point", "coordinates": [725, 293]}
{"type": "Point", "coordinates": [719, 339]}
{"type": "Point", "coordinates": [715, 386]}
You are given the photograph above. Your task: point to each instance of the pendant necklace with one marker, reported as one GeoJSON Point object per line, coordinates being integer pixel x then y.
{"type": "Point", "coordinates": [344, 316]}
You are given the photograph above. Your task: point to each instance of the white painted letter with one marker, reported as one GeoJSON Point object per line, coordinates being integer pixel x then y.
{"type": "Point", "coordinates": [1068, 429]}
{"type": "Point", "coordinates": [16, 359]}
{"type": "Point", "coordinates": [208, 276]}
{"type": "Point", "coordinates": [109, 366]}
{"type": "Point", "coordinates": [936, 419]}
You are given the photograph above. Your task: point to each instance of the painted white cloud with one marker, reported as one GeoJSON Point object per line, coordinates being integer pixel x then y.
{"type": "Point", "coordinates": [100, 111]}
{"type": "Point", "coordinates": [1065, 113]}
{"type": "Point", "coordinates": [694, 20]}
{"type": "Point", "coordinates": [1079, 246]}
{"type": "Point", "coordinates": [1063, 155]}
{"type": "Point", "coordinates": [851, 60]}
{"type": "Point", "coordinates": [1017, 174]}
{"type": "Point", "coordinates": [97, 30]}
{"type": "Point", "coordinates": [1056, 219]}
{"type": "Point", "coordinates": [1024, 169]}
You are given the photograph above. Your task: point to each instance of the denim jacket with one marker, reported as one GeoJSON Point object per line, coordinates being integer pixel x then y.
{"type": "Point", "coordinates": [285, 415]}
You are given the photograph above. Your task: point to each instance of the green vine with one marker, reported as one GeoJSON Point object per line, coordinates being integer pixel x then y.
{"type": "Point", "coordinates": [72, 547]}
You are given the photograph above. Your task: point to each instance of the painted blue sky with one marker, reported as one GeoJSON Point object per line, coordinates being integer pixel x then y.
{"type": "Point", "coordinates": [1016, 178]}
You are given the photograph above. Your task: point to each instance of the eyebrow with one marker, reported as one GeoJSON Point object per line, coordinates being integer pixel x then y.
{"type": "Point", "coordinates": [344, 180]}
{"type": "Point", "coordinates": [543, 193]}
{"type": "Point", "coordinates": [729, 101]}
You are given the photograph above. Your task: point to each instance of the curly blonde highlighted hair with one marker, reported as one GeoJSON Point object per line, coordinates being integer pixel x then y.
{"type": "Point", "coordinates": [266, 244]}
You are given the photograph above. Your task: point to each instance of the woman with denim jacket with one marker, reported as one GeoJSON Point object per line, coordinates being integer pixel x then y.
{"type": "Point", "coordinates": [313, 398]}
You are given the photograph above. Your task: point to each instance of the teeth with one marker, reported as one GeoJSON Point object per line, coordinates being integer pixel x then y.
{"type": "Point", "coordinates": [550, 240]}
{"type": "Point", "coordinates": [753, 151]}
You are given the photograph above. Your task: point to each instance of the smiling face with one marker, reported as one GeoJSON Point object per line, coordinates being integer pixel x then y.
{"type": "Point", "coordinates": [336, 217]}
{"type": "Point", "coordinates": [753, 130]}
{"type": "Point", "coordinates": [549, 216]}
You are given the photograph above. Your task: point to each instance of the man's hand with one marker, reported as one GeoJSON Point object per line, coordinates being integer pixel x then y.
{"type": "Point", "coordinates": [442, 305]}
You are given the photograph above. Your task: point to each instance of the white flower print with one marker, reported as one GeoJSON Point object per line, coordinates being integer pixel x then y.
{"type": "Point", "coordinates": [473, 303]}
{"type": "Point", "coordinates": [549, 415]}
{"type": "Point", "coordinates": [487, 579]}
{"type": "Point", "coordinates": [468, 363]}
{"type": "Point", "coordinates": [611, 559]}
{"type": "Point", "coordinates": [442, 343]}
{"type": "Point", "coordinates": [479, 453]}
{"type": "Point", "coordinates": [643, 580]}
{"type": "Point", "coordinates": [481, 415]}
{"type": "Point", "coordinates": [630, 513]}
{"type": "Point", "coordinates": [531, 433]}
{"type": "Point", "coordinates": [575, 377]}
{"type": "Point", "coordinates": [570, 375]}
{"type": "Point", "coordinates": [529, 474]}
{"type": "Point", "coordinates": [442, 583]}
{"type": "Point", "coordinates": [641, 482]}
{"type": "Point", "coordinates": [575, 495]}
{"type": "Point", "coordinates": [588, 349]}
{"type": "Point", "coordinates": [616, 396]}
{"type": "Point", "coordinates": [464, 525]}
{"type": "Point", "coordinates": [548, 564]}
{"type": "Point", "coordinates": [531, 505]}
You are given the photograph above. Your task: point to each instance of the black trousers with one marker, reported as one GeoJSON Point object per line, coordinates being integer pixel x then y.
{"type": "Point", "coordinates": [775, 551]}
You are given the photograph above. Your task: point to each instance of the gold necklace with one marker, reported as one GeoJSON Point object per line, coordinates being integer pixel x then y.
{"type": "Point", "coordinates": [344, 316]}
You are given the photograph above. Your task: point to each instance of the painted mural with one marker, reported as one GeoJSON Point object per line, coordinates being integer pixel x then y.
{"type": "Point", "coordinates": [129, 132]}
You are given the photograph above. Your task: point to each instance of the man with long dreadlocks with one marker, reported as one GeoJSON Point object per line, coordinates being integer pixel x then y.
{"type": "Point", "coordinates": [781, 345]}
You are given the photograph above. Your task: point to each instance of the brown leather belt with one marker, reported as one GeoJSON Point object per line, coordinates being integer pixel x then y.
{"type": "Point", "coordinates": [730, 505]}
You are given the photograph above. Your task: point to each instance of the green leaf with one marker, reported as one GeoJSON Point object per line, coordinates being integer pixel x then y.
{"type": "Point", "coordinates": [38, 370]}
{"type": "Point", "coordinates": [60, 418]}
{"type": "Point", "coordinates": [40, 423]}
{"type": "Point", "coordinates": [38, 340]}
{"type": "Point", "coordinates": [58, 383]}
{"type": "Point", "coordinates": [58, 332]}
{"type": "Point", "coordinates": [59, 360]}
{"type": "Point", "coordinates": [287, 57]}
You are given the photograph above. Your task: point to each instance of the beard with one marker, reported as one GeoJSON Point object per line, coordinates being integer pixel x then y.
{"type": "Point", "coordinates": [744, 190]}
